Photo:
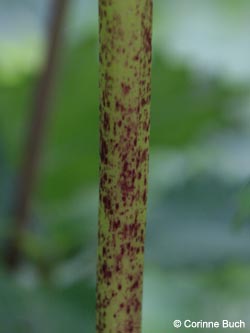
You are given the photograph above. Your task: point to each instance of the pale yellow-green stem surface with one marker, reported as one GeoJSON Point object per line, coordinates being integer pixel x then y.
{"type": "Point", "coordinates": [125, 90]}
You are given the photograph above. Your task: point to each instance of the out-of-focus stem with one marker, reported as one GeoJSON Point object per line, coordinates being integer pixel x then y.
{"type": "Point", "coordinates": [36, 133]}
{"type": "Point", "coordinates": [125, 90]}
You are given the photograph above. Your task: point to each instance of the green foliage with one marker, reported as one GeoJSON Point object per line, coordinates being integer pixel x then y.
{"type": "Point", "coordinates": [184, 106]}
{"type": "Point", "coordinates": [242, 214]}
{"type": "Point", "coordinates": [52, 309]}
{"type": "Point", "coordinates": [196, 262]}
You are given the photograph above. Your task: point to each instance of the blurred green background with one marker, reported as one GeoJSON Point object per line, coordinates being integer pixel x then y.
{"type": "Point", "coordinates": [198, 240]}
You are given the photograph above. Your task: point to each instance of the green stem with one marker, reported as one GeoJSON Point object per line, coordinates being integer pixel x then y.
{"type": "Point", "coordinates": [125, 90]}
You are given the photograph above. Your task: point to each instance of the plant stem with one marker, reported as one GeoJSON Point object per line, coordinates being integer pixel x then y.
{"type": "Point", "coordinates": [36, 133]}
{"type": "Point", "coordinates": [125, 91]}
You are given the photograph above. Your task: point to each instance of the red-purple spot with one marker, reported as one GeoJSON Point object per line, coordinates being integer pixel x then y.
{"type": "Point", "coordinates": [144, 197]}
{"type": "Point", "coordinates": [106, 121]}
{"type": "Point", "coordinates": [107, 203]}
{"type": "Point", "coordinates": [104, 151]}
{"type": "Point", "coordinates": [106, 272]}
{"type": "Point", "coordinates": [125, 88]}
{"type": "Point", "coordinates": [135, 285]}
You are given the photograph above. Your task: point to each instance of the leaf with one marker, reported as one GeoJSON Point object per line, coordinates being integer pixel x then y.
{"type": "Point", "coordinates": [242, 215]}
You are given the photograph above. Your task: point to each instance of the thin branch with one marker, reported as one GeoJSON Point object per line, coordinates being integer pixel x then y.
{"type": "Point", "coordinates": [36, 133]}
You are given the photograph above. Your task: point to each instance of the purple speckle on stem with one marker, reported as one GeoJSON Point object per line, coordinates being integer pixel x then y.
{"type": "Point", "coordinates": [125, 92]}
